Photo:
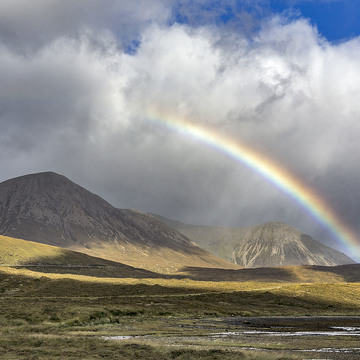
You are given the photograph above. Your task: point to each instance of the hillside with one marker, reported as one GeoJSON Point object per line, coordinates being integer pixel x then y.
{"type": "Point", "coordinates": [18, 253]}
{"type": "Point", "coordinates": [49, 208]}
{"type": "Point", "coordinates": [270, 244]}
{"type": "Point", "coordinates": [285, 274]}
{"type": "Point", "coordinates": [51, 259]}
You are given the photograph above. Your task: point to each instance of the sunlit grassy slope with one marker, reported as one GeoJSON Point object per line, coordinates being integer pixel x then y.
{"type": "Point", "coordinates": [16, 251]}
{"type": "Point", "coordinates": [47, 258]}
{"type": "Point", "coordinates": [160, 259]}
{"type": "Point", "coordinates": [101, 257]}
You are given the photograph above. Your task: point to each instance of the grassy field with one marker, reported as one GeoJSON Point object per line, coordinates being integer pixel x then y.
{"type": "Point", "coordinates": [67, 316]}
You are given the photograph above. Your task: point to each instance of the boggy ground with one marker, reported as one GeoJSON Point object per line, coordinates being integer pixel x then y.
{"type": "Point", "coordinates": [253, 337]}
{"type": "Point", "coordinates": [66, 317]}
{"type": "Point", "coordinates": [158, 337]}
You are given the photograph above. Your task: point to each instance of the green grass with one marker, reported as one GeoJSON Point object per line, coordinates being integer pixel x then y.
{"type": "Point", "coordinates": [64, 316]}
{"type": "Point", "coordinates": [184, 296]}
{"type": "Point", "coordinates": [17, 251]}
{"type": "Point", "coordinates": [66, 348]}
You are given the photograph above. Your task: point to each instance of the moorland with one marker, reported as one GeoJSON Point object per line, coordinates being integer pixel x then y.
{"type": "Point", "coordinates": [69, 316]}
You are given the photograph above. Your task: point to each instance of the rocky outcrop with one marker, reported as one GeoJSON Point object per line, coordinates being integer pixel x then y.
{"type": "Point", "coordinates": [279, 244]}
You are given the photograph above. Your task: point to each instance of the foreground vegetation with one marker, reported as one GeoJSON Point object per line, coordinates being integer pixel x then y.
{"type": "Point", "coordinates": [59, 316]}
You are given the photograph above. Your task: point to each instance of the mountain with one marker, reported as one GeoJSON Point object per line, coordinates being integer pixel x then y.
{"type": "Point", "coordinates": [266, 245]}
{"type": "Point", "coordinates": [49, 208]}
{"type": "Point", "coordinates": [46, 258]}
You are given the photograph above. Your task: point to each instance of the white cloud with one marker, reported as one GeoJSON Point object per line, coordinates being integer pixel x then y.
{"type": "Point", "coordinates": [287, 92]}
{"type": "Point", "coordinates": [78, 103]}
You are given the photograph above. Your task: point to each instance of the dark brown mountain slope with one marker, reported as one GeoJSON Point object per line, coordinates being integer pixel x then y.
{"type": "Point", "coordinates": [50, 209]}
{"type": "Point", "coordinates": [266, 245]}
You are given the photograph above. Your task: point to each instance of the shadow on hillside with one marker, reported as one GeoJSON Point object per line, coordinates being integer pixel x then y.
{"type": "Point", "coordinates": [349, 273]}
{"type": "Point", "coordinates": [308, 273]}
{"type": "Point", "coordinates": [76, 263]}
{"type": "Point", "coordinates": [254, 274]}
{"type": "Point", "coordinates": [70, 262]}
{"type": "Point", "coordinates": [159, 300]}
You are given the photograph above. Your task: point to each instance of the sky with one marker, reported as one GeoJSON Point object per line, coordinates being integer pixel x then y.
{"type": "Point", "coordinates": [80, 82]}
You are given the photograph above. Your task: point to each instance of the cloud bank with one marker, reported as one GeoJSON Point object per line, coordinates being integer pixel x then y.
{"type": "Point", "coordinates": [79, 82]}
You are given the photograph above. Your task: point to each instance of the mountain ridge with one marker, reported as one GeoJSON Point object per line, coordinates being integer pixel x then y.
{"type": "Point", "coordinates": [51, 209]}
{"type": "Point", "coordinates": [265, 245]}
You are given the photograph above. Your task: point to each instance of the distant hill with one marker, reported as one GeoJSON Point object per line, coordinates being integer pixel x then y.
{"type": "Point", "coordinates": [284, 274]}
{"type": "Point", "coordinates": [18, 253]}
{"type": "Point", "coordinates": [48, 208]}
{"type": "Point", "coordinates": [266, 245]}
{"type": "Point", "coordinates": [47, 258]}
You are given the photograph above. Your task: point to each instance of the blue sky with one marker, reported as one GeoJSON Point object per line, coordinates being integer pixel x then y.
{"type": "Point", "coordinates": [336, 20]}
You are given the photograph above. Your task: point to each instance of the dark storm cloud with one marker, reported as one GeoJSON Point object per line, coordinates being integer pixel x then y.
{"type": "Point", "coordinates": [75, 100]}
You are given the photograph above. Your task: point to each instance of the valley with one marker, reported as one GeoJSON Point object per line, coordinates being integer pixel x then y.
{"type": "Point", "coordinates": [81, 279]}
{"type": "Point", "coordinates": [67, 316]}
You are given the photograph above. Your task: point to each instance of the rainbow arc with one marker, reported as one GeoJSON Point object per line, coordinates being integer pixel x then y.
{"type": "Point", "coordinates": [277, 175]}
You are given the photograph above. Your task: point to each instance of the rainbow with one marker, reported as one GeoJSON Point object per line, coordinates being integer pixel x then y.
{"type": "Point", "coordinates": [268, 169]}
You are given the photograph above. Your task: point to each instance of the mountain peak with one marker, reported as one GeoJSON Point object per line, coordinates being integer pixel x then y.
{"type": "Point", "coordinates": [47, 205]}
{"type": "Point", "coordinates": [38, 184]}
{"type": "Point", "coordinates": [269, 244]}
{"type": "Point", "coordinates": [49, 208]}
{"type": "Point", "coordinates": [38, 176]}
